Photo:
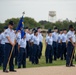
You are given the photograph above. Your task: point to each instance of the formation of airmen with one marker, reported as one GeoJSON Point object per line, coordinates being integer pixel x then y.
{"type": "Point", "coordinates": [60, 44]}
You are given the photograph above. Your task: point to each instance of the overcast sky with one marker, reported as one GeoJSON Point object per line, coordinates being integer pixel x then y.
{"type": "Point", "coordinates": [37, 9]}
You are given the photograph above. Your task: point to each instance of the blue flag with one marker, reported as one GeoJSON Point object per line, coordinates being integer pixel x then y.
{"type": "Point", "coordinates": [20, 24]}
{"type": "Point", "coordinates": [22, 33]}
{"type": "Point", "coordinates": [21, 27]}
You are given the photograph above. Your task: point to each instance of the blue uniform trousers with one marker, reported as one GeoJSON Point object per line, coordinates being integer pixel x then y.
{"type": "Point", "coordinates": [8, 48]}
{"type": "Point", "coordinates": [70, 49]}
{"type": "Point", "coordinates": [16, 53]}
{"type": "Point", "coordinates": [2, 49]}
{"type": "Point", "coordinates": [35, 56]}
{"type": "Point", "coordinates": [64, 50]}
{"type": "Point", "coordinates": [28, 49]}
{"type": "Point", "coordinates": [48, 54]}
{"type": "Point", "coordinates": [40, 46]}
{"type": "Point", "coordinates": [31, 52]}
{"type": "Point", "coordinates": [60, 51]}
{"type": "Point", "coordinates": [55, 50]}
{"type": "Point", "coordinates": [0, 54]}
{"type": "Point", "coordinates": [22, 58]}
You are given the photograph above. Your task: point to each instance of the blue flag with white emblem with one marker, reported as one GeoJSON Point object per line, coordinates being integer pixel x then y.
{"type": "Point", "coordinates": [21, 27]}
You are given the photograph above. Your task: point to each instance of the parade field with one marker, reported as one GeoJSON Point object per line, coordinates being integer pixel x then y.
{"type": "Point", "coordinates": [52, 70]}
{"type": "Point", "coordinates": [42, 62]}
{"type": "Point", "coordinates": [38, 37]}
{"type": "Point", "coordinates": [56, 68]}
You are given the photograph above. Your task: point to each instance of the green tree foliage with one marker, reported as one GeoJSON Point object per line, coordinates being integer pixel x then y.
{"type": "Point", "coordinates": [60, 25]}
{"type": "Point", "coordinates": [31, 23]}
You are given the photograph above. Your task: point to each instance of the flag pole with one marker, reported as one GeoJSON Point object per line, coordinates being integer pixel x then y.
{"type": "Point", "coordinates": [72, 56]}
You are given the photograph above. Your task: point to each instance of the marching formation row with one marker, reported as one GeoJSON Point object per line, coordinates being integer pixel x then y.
{"type": "Point", "coordinates": [59, 44]}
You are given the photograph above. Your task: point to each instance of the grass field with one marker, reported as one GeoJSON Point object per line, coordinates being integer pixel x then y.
{"type": "Point", "coordinates": [42, 62]}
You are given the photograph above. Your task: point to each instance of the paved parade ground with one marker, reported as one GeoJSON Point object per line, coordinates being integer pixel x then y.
{"type": "Point", "coordinates": [52, 70]}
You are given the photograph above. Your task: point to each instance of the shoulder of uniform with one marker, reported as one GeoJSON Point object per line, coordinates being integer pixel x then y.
{"type": "Point", "coordinates": [62, 34]}
{"type": "Point", "coordinates": [33, 36]}
{"type": "Point", "coordinates": [6, 30]}
{"type": "Point", "coordinates": [13, 31]}
{"type": "Point", "coordinates": [59, 35]}
{"type": "Point", "coordinates": [48, 37]}
{"type": "Point", "coordinates": [1, 34]}
{"type": "Point", "coordinates": [53, 32]}
{"type": "Point", "coordinates": [69, 32]}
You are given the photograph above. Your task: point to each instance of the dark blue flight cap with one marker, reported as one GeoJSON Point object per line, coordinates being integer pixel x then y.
{"type": "Point", "coordinates": [38, 28]}
{"type": "Point", "coordinates": [5, 27]}
{"type": "Point", "coordinates": [11, 23]}
{"type": "Point", "coordinates": [49, 31]}
{"type": "Point", "coordinates": [26, 27]}
{"type": "Point", "coordinates": [71, 26]}
{"type": "Point", "coordinates": [55, 28]}
{"type": "Point", "coordinates": [35, 31]}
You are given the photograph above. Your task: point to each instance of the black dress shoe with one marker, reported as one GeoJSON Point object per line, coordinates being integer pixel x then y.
{"type": "Point", "coordinates": [6, 71]}
{"type": "Point", "coordinates": [13, 71]}
{"type": "Point", "coordinates": [72, 65]}
{"type": "Point", "coordinates": [19, 68]}
{"type": "Point", "coordinates": [68, 66]}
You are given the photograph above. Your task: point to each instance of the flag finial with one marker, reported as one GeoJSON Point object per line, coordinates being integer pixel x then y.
{"type": "Point", "coordinates": [23, 13]}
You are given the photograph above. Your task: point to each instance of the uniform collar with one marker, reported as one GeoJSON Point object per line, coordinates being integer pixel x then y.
{"type": "Point", "coordinates": [55, 32]}
{"type": "Point", "coordinates": [9, 29]}
{"type": "Point", "coordinates": [65, 34]}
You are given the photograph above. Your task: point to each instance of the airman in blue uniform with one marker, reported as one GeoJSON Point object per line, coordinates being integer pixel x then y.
{"type": "Point", "coordinates": [41, 40]}
{"type": "Point", "coordinates": [55, 43]}
{"type": "Point", "coordinates": [60, 45]}
{"type": "Point", "coordinates": [35, 56]}
{"type": "Point", "coordinates": [0, 49]}
{"type": "Point", "coordinates": [70, 46]}
{"type": "Point", "coordinates": [28, 41]}
{"type": "Point", "coordinates": [49, 43]}
{"type": "Point", "coordinates": [22, 52]}
{"type": "Point", "coordinates": [18, 37]}
{"type": "Point", "coordinates": [31, 44]}
{"type": "Point", "coordinates": [64, 43]}
{"type": "Point", "coordinates": [9, 44]}
{"type": "Point", "coordinates": [2, 45]}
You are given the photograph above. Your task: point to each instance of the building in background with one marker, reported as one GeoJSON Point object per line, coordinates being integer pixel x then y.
{"type": "Point", "coordinates": [52, 16]}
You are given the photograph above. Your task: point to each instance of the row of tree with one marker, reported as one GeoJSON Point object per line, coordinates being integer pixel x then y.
{"type": "Point", "coordinates": [31, 23]}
